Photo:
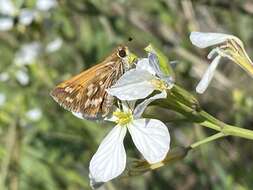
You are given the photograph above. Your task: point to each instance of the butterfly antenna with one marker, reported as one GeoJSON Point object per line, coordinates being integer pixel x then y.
{"type": "Point", "coordinates": [129, 40]}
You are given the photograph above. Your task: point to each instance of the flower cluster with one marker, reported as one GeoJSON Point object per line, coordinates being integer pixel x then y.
{"type": "Point", "coordinates": [9, 12]}
{"type": "Point", "coordinates": [28, 54]}
{"type": "Point", "coordinates": [13, 14]}
{"type": "Point", "coordinates": [146, 83]}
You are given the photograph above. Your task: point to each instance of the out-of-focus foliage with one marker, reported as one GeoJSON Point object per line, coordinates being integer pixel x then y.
{"type": "Point", "coordinates": [42, 146]}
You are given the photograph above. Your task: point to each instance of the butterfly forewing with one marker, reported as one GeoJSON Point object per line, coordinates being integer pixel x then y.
{"type": "Point", "coordinates": [85, 94]}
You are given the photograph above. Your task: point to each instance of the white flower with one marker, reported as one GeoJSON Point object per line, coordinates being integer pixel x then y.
{"type": "Point", "coordinates": [45, 5]}
{"type": "Point", "coordinates": [150, 136]}
{"type": "Point", "coordinates": [229, 46]}
{"type": "Point", "coordinates": [140, 82]}
{"type": "Point", "coordinates": [6, 23]}
{"type": "Point", "coordinates": [4, 76]}
{"type": "Point", "coordinates": [9, 11]}
{"type": "Point", "coordinates": [7, 8]}
{"type": "Point", "coordinates": [54, 45]}
{"type": "Point", "coordinates": [26, 16]}
{"type": "Point", "coordinates": [34, 114]}
{"type": "Point", "coordinates": [28, 53]}
{"type": "Point", "coordinates": [204, 40]}
{"type": "Point", "coordinates": [2, 99]}
{"type": "Point", "coordinates": [22, 77]}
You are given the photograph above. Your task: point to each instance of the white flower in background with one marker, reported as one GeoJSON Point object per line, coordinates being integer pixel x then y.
{"type": "Point", "coordinates": [26, 16]}
{"type": "Point", "coordinates": [54, 45]}
{"type": "Point", "coordinates": [9, 11]}
{"type": "Point", "coordinates": [46, 5]}
{"type": "Point", "coordinates": [22, 77]}
{"type": "Point", "coordinates": [228, 46]}
{"type": "Point", "coordinates": [2, 99]}
{"type": "Point", "coordinates": [140, 82]}
{"type": "Point", "coordinates": [150, 136]}
{"type": "Point", "coordinates": [28, 53]}
{"type": "Point", "coordinates": [7, 8]}
{"type": "Point", "coordinates": [34, 114]}
{"type": "Point", "coordinates": [4, 76]}
{"type": "Point", "coordinates": [6, 23]}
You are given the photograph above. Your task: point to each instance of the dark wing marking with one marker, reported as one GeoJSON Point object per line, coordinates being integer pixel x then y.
{"type": "Point", "coordinates": [85, 93]}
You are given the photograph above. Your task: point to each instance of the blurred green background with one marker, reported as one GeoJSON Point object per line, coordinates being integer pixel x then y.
{"type": "Point", "coordinates": [44, 147]}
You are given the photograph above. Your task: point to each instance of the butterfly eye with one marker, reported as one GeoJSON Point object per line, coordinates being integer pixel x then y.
{"type": "Point", "coordinates": [122, 53]}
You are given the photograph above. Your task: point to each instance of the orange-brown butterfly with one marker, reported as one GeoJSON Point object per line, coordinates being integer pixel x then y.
{"type": "Point", "coordinates": [85, 94]}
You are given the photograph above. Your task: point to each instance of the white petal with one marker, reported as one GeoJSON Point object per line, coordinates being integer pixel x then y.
{"type": "Point", "coordinates": [203, 40]}
{"type": "Point", "coordinates": [94, 184]}
{"type": "Point", "coordinates": [28, 53]}
{"type": "Point", "coordinates": [142, 106]}
{"type": "Point", "coordinates": [208, 75]}
{"type": "Point", "coordinates": [4, 76]}
{"type": "Point", "coordinates": [134, 84]}
{"type": "Point", "coordinates": [34, 114]}
{"type": "Point", "coordinates": [213, 53]}
{"type": "Point", "coordinates": [110, 158]}
{"type": "Point", "coordinates": [6, 23]}
{"type": "Point", "coordinates": [154, 63]}
{"type": "Point", "coordinates": [2, 98]}
{"type": "Point", "coordinates": [54, 45]}
{"type": "Point", "coordinates": [22, 77]}
{"type": "Point", "coordinates": [26, 16]}
{"type": "Point", "coordinates": [151, 137]}
{"type": "Point", "coordinates": [144, 65]}
{"type": "Point", "coordinates": [45, 5]}
{"type": "Point", "coordinates": [7, 7]}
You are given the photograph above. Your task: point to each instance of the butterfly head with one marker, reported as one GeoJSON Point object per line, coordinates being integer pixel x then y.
{"type": "Point", "coordinates": [122, 51]}
{"type": "Point", "coordinates": [126, 56]}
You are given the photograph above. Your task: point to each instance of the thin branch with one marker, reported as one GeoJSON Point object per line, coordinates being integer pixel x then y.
{"type": "Point", "coordinates": [10, 144]}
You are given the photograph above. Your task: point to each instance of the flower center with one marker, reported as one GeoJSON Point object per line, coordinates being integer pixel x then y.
{"type": "Point", "coordinates": [159, 84]}
{"type": "Point", "coordinates": [123, 118]}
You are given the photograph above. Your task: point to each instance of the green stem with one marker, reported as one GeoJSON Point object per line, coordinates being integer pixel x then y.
{"type": "Point", "coordinates": [238, 132]}
{"type": "Point", "coordinates": [199, 116]}
{"type": "Point", "coordinates": [6, 162]}
{"type": "Point", "coordinates": [208, 139]}
{"type": "Point", "coordinates": [226, 129]}
{"type": "Point", "coordinates": [211, 119]}
{"type": "Point", "coordinates": [210, 125]}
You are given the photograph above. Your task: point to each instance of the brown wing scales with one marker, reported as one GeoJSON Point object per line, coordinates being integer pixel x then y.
{"type": "Point", "coordinates": [85, 93]}
{"type": "Point", "coordinates": [99, 102]}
